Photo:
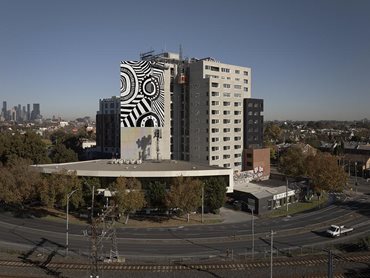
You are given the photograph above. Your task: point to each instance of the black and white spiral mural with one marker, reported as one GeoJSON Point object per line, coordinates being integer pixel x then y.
{"type": "Point", "coordinates": [142, 94]}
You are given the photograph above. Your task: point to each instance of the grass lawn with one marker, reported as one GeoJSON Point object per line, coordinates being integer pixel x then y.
{"type": "Point", "coordinates": [298, 207]}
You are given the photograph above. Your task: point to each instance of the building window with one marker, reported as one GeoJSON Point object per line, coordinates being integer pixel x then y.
{"type": "Point", "coordinates": [215, 68]}
{"type": "Point", "coordinates": [215, 157]}
{"type": "Point", "coordinates": [214, 84]}
{"type": "Point", "coordinates": [237, 86]}
{"type": "Point", "coordinates": [215, 102]}
{"type": "Point", "coordinates": [237, 104]}
{"type": "Point", "coordinates": [237, 112]}
{"type": "Point", "coordinates": [227, 86]}
{"type": "Point", "coordinates": [226, 130]}
{"type": "Point", "coordinates": [215, 130]}
{"type": "Point", "coordinates": [226, 148]}
{"type": "Point", "coordinates": [225, 70]}
{"type": "Point", "coordinates": [226, 94]}
{"type": "Point", "coordinates": [237, 71]}
{"type": "Point", "coordinates": [237, 95]}
{"type": "Point", "coordinates": [226, 156]}
{"type": "Point", "coordinates": [237, 138]}
{"type": "Point", "coordinates": [215, 121]}
{"type": "Point", "coordinates": [227, 121]}
{"type": "Point", "coordinates": [237, 79]}
{"type": "Point", "coordinates": [245, 89]}
{"type": "Point", "coordinates": [237, 147]}
{"type": "Point", "coordinates": [227, 165]}
{"type": "Point", "coordinates": [227, 112]}
{"type": "Point", "coordinates": [237, 163]}
{"type": "Point", "coordinates": [237, 121]}
{"type": "Point", "coordinates": [226, 139]}
{"type": "Point", "coordinates": [215, 149]}
{"type": "Point", "coordinates": [215, 112]}
{"type": "Point", "coordinates": [237, 155]}
{"type": "Point", "coordinates": [215, 139]}
{"type": "Point", "coordinates": [245, 73]}
{"type": "Point", "coordinates": [237, 129]}
{"type": "Point", "coordinates": [207, 67]}
{"type": "Point", "coordinates": [215, 94]}
{"type": "Point", "coordinates": [245, 81]}
{"type": "Point", "coordinates": [226, 103]}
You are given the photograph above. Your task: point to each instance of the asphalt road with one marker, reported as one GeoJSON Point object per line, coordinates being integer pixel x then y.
{"type": "Point", "coordinates": [304, 229]}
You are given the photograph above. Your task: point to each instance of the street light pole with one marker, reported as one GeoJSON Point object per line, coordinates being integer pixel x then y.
{"type": "Point", "coordinates": [252, 234]}
{"type": "Point", "coordinates": [286, 193]}
{"type": "Point", "coordinates": [68, 196]}
{"type": "Point", "coordinates": [272, 249]}
{"type": "Point", "coordinates": [202, 202]}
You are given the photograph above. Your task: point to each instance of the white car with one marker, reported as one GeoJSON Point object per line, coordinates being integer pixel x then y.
{"type": "Point", "coordinates": [336, 231]}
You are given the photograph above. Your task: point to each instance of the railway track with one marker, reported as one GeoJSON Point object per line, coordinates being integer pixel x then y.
{"type": "Point", "coordinates": [182, 266]}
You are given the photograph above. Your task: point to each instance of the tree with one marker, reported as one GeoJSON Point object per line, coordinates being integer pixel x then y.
{"type": "Point", "coordinates": [26, 146]}
{"type": "Point", "coordinates": [214, 193]}
{"type": "Point", "coordinates": [128, 196]}
{"type": "Point", "coordinates": [272, 133]}
{"type": "Point", "coordinates": [292, 162]}
{"type": "Point", "coordinates": [185, 194]}
{"type": "Point", "coordinates": [60, 154]}
{"type": "Point", "coordinates": [18, 183]}
{"type": "Point", "coordinates": [156, 194]}
{"type": "Point", "coordinates": [325, 173]}
{"type": "Point", "coordinates": [58, 186]}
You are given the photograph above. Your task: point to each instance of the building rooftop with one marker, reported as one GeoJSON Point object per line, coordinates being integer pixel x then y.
{"type": "Point", "coordinates": [262, 189]}
{"type": "Point", "coordinates": [151, 168]}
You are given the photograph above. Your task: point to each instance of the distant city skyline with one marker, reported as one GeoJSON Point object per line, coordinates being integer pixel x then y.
{"type": "Point", "coordinates": [309, 59]}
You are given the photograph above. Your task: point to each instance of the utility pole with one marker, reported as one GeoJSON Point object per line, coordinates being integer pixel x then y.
{"type": "Point", "coordinates": [252, 234]}
{"type": "Point", "coordinates": [286, 193]}
{"type": "Point", "coordinates": [330, 264]}
{"type": "Point", "coordinates": [67, 219]}
{"type": "Point", "coordinates": [271, 250]}
{"type": "Point", "coordinates": [202, 202]}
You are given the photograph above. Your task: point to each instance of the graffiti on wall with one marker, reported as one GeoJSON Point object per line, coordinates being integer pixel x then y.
{"type": "Point", "coordinates": [142, 94]}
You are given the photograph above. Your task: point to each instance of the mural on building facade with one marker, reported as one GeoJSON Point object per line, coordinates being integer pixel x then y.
{"type": "Point", "coordinates": [142, 94]}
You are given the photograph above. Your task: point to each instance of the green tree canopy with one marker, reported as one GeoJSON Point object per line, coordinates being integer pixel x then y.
{"type": "Point", "coordinates": [26, 146]}
{"type": "Point", "coordinates": [185, 194]}
{"type": "Point", "coordinates": [18, 183]}
{"type": "Point", "coordinates": [292, 162]}
{"type": "Point", "coordinates": [156, 194]}
{"type": "Point", "coordinates": [58, 185]}
{"type": "Point", "coordinates": [272, 133]}
{"type": "Point", "coordinates": [61, 154]}
{"type": "Point", "coordinates": [214, 193]}
{"type": "Point", "coordinates": [128, 195]}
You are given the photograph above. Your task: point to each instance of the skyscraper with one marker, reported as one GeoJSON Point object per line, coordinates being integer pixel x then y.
{"type": "Point", "coordinates": [5, 110]}
{"type": "Point", "coordinates": [35, 114]}
{"type": "Point", "coordinates": [28, 112]}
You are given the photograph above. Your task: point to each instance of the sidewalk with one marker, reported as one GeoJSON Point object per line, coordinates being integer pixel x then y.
{"type": "Point", "coordinates": [233, 216]}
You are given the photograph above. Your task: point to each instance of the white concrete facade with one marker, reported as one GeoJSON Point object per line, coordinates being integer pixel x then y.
{"type": "Point", "coordinates": [217, 91]}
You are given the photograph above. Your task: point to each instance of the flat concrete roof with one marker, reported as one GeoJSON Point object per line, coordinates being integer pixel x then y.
{"type": "Point", "coordinates": [151, 168]}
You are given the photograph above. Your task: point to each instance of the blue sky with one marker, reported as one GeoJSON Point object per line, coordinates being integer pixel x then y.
{"type": "Point", "coordinates": [310, 59]}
